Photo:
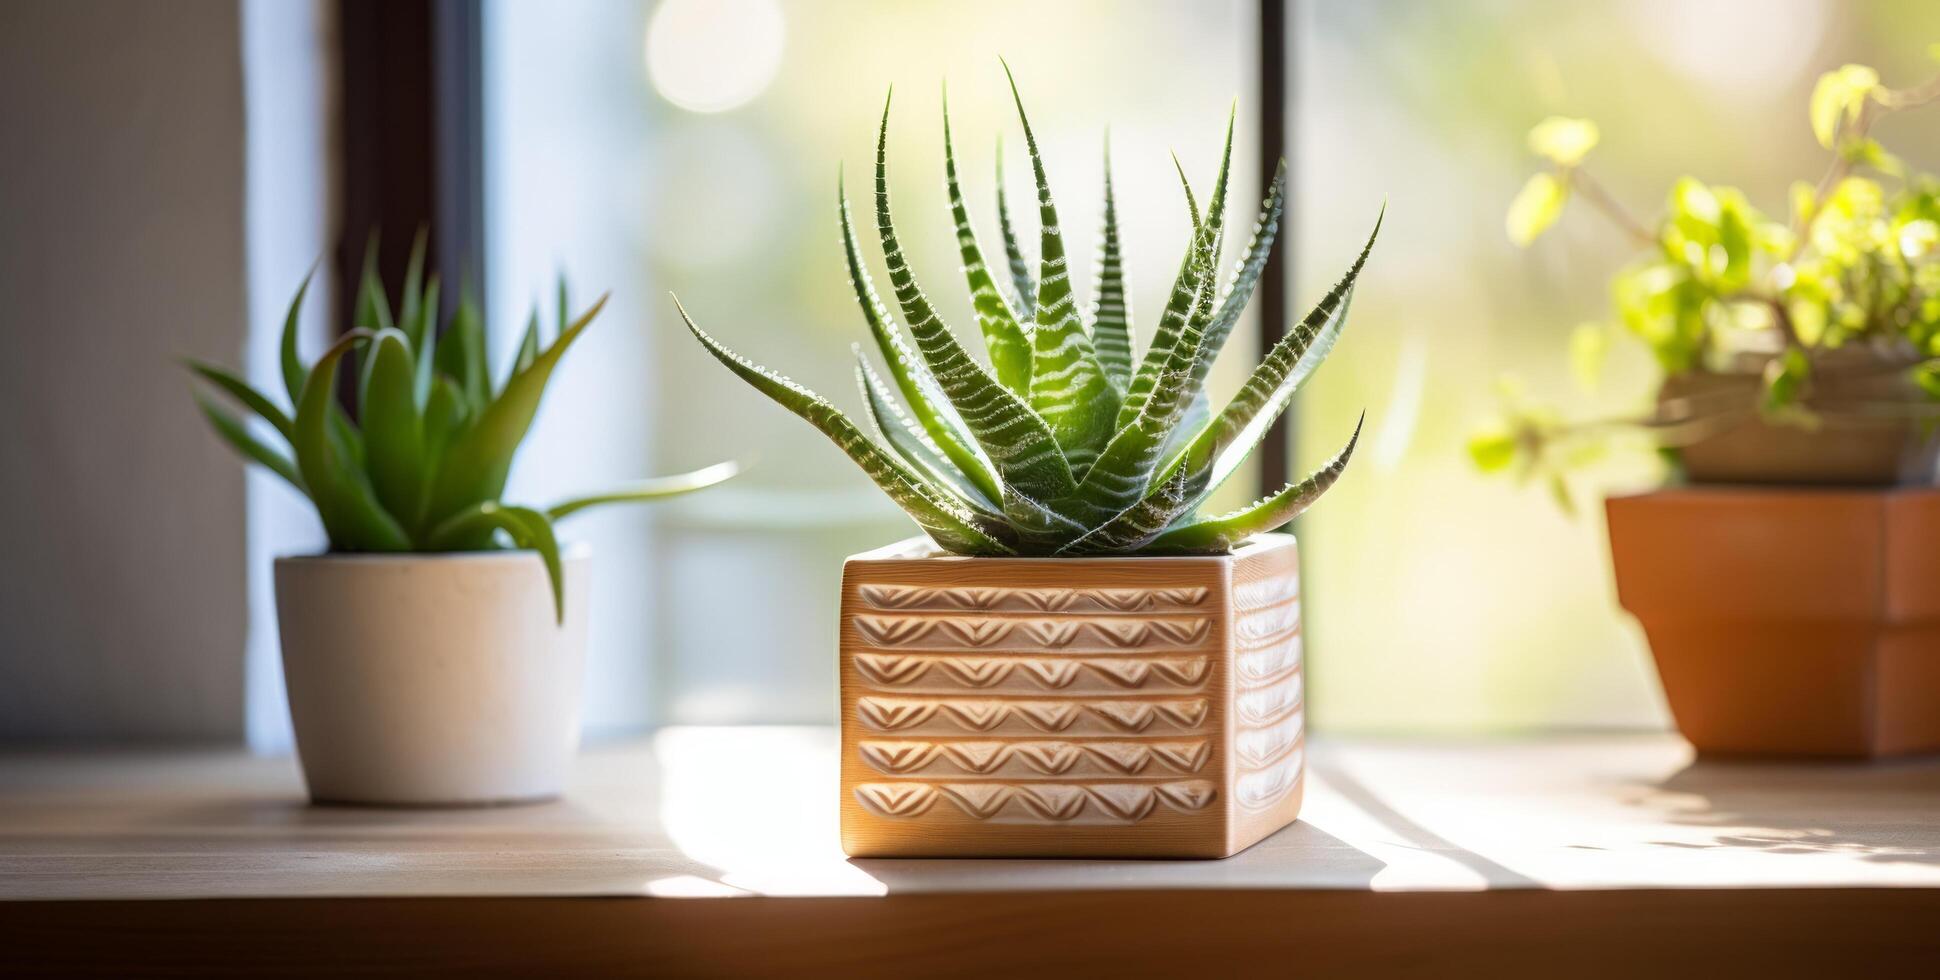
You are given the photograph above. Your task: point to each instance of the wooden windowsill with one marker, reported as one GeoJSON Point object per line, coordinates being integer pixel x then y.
{"type": "Point", "coordinates": [1476, 840]}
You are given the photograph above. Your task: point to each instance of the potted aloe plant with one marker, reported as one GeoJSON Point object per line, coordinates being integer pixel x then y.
{"type": "Point", "coordinates": [1072, 661]}
{"type": "Point", "coordinates": [1784, 589]}
{"type": "Point", "coordinates": [434, 654]}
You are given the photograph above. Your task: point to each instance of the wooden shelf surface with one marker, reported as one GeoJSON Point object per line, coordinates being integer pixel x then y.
{"type": "Point", "coordinates": [713, 852]}
{"type": "Point", "coordinates": [706, 812]}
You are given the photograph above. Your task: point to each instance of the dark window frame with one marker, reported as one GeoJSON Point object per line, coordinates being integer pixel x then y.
{"type": "Point", "coordinates": [411, 77]}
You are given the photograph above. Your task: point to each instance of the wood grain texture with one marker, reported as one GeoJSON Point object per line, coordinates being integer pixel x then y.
{"type": "Point", "coordinates": [1109, 707]}
{"type": "Point", "coordinates": [752, 811]}
{"type": "Point", "coordinates": [1771, 934]}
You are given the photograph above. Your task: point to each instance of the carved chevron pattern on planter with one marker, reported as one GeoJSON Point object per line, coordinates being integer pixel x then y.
{"type": "Point", "coordinates": [1103, 708]}
{"type": "Point", "coordinates": [1257, 748]}
{"type": "Point", "coordinates": [1257, 789]}
{"type": "Point", "coordinates": [994, 599]}
{"type": "Point", "coordinates": [1268, 625]}
{"type": "Point", "coordinates": [1261, 593]}
{"type": "Point", "coordinates": [901, 670]}
{"type": "Point", "coordinates": [960, 632]}
{"type": "Point", "coordinates": [895, 714]}
{"type": "Point", "coordinates": [1038, 802]}
{"type": "Point", "coordinates": [1269, 718]}
{"type": "Point", "coordinates": [1256, 667]}
{"type": "Point", "coordinates": [1041, 758]}
{"type": "Point", "coordinates": [1268, 703]}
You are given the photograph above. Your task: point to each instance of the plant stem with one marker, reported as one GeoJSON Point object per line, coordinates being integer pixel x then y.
{"type": "Point", "coordinates": [1605, 202]}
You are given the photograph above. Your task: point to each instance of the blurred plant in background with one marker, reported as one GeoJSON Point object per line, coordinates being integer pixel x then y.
{"type": "Point", "coordinates": [1828, 319]}
{"type": "Point", "coordinates": [422, 465]}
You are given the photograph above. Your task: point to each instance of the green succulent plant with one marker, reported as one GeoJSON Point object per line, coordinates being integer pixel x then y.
{"type": "Point", "coordinates": [423, 466]}
{"type": "Point", "coordinates": [1065, 444]}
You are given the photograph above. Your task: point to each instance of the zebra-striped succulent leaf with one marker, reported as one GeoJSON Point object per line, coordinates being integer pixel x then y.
{"type": "Point", "coordinates": [1111, 308]}
{"type": "Point", "coordinates": [1068, 444]}
{"type": "Point", "coordinates": [1226, 531]}
{"type": "Point", "coordinates": [1020, 443]}
{"type": "Point", "coordinates": [423, 465]}
{"type": "Point", "coordinates": [1020, 267]}
{"type": "Point", "coordinates": [950, 522]}
{"type": "Point", "coordinates": [913, 378]}
{"type": "Point", "coordinates": [1069, 389]}
{"type": "Point", "coordinates": [1004, 338]}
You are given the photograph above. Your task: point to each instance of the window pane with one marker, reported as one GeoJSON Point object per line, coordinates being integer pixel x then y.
{"type": "Point", "coordinates": [693, 146]}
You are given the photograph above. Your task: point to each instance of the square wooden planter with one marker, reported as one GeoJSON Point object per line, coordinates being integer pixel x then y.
{"type": "Point", "coordinates": [1049, 707]}
{"type": "Point", "coordinates": [1789, 621]}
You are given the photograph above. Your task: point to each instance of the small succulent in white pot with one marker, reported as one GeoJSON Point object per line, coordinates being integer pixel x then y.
{"type": "Point", "coordinates": [434, 654]}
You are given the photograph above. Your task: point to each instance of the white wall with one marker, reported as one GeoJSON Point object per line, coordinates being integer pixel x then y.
{"type": "Point", "coordinates": [121, 250]}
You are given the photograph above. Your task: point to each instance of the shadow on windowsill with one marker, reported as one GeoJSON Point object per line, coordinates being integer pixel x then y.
{"type": "Point", "coordinates": [1859, 810]}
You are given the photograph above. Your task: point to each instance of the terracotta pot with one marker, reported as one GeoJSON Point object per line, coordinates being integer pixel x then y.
{"type": "Point", "coordinates": [1857, 444]}
{"type": "Point", "coordinates": [1789, 622]}
{"type": "Point", "coordinates": [426, 680]}
{"type": "Point", "coordinates": [1049, 707]}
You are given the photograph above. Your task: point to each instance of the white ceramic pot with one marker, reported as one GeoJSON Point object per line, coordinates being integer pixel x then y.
{"type": "Point", "coordinates": [428, 680]}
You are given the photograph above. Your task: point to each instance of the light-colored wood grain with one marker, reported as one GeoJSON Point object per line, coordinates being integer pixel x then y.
{"type": "Point", "coordinates": [1110, 707]}
{"type": "Point", "coordinates": [739, 812]}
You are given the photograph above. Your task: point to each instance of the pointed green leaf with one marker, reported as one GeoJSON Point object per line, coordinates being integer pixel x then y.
{"type": "Point", "coordinates": [445, 415]}
{"type": "Point", "coordinates": [1137, 525]}
{"type": "Point", "coordinates": [926, 401]}
{"type": "Point", "coordinates": [475, 467]}
{"type": "Point", "coordinates": [424, 352]}
{"type": "Point", "coordinates": [1192, 203]}
{"type": "Point", "coordinates": [1111, 309]}
{"type": "Point", "coordinates": [1227, 531]}
{"type": "Point", "coordinates": [1246, 275]}
{"type": "Point", "coordinates": [461, 353]}
{"type": "Point", "coordinates": [952, 526]}
{"type": "Point", "coordinates": [393, 431]}
{"type": "Point", "coordinates": [1194, 280]}
{"type": "Point", "coordinates": [1069, 389]}
{"type": "Point", "coordinates": [1223, 445]}
{"type": "Point", "coordinates": [410, 309]}
{"type": "Point", "coordinates": [909, 441]}
{"type": "Point", "coordinates": [1232, 306]}
{"type": "Point", "coordinates": [1019, 443]}
{"type": "Point", "coordinates": [373, 311]}
{"type": "Point", "coordinates": [342, 492]}
{"type": "Point", "coordinates": [1020, 268]}
{"type": "Point", "coordinates": [526, 527]}
{"type": "Point", "coordinates": [237, 435]}
{"type": "Point", "coordinates": [1041, 528]}
{"type": "Point", "coordinates": [292, 364]}
{"type": "Point", "coordinates": [528, 344]}
{"type": "Point", "coordinates": [243, 392]}
{"type": "Point", "coordinates": [1008, 344]}
{"type": "Point", "coordinates": [658, 488]}
{"type": "Point", "coordinates": [1124, 473]}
